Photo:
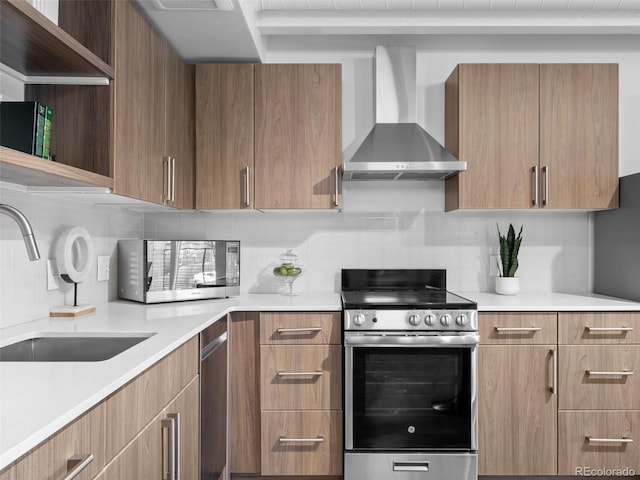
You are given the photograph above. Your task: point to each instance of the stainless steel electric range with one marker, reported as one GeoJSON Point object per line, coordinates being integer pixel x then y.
{"type": "Point", "coordinates": [410, 360]}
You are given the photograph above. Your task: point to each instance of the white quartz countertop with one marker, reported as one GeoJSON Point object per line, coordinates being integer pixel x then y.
{"type": "Point", "coordinates": [38, 399]}
{"type": "Point", "coordinates": [549, 302]}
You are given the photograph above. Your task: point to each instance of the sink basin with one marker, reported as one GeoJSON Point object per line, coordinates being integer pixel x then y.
{"type": "Point", "coordinates": [79, 347]}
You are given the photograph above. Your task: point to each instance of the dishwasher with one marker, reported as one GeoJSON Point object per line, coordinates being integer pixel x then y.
{"type": "Point", "coordinates": [213, 401]}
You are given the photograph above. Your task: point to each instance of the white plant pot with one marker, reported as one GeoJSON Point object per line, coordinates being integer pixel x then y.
{"type": "Point", "coordinates": [507, 285]}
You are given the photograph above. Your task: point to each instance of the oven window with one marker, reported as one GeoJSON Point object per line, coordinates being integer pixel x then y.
{"type": "Point", "coordinates": [412, 398]}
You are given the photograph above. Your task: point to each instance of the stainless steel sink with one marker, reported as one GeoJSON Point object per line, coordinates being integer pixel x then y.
{"type": "Point", "coordinates": [79, 347]}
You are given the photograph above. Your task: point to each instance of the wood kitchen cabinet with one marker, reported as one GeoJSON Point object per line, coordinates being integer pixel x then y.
{"type": "Point", "coordinates": [124, 432]}
{"type": "Point", "coordinates": [533, 136]}
{"type": "Point", "coordinates": [154, 105]}
{"type": "Point", "coordinates": [517, 404]}
{"type": "Point", "coordinates": [272, 133]}
{"type": "Point", "coordinates": [286, 395]}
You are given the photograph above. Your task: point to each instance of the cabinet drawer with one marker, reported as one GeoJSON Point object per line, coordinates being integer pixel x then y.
{"type": "Point", "coordinates": [288, 328]}
{"type": "Point", "coordinates": [518, 328]}
{"type": "Point", "coordinates": [134, 405]}
{"type": "Point", "coordinates": [599, 377]}
{"type": "Point", "coordinates": [575, 429]}
{"type": "Point", "coordinates": [300, 377]}
{"type": "Point", "coordinates": [48, 461]}
{"type": "Point", "coordinates": [599, 328]}
{"type": "Point", "coordinates": [302, 443]}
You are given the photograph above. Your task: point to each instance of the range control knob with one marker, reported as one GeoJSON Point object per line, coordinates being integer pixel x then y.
{"type": "Point", "coordinates": [358, 319]}
{"type": "Point", "coordinates": [430, 319]}
{"type": "Point", "coordinates": [445, 320]}
{"type": "Point", "coordinates": [461, 320]}
{"type": "Point", "coordinates": [414, 320]}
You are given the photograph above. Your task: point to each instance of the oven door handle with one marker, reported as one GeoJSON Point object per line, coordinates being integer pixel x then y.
{"type": "Point", "coordinates": [420, 341]}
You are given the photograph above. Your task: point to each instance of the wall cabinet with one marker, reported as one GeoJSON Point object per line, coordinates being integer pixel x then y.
{"type": "Point", "coordinates": [533, 136]}
{"type": "Point", "coordinates": [273, 131]}
{"type": "Point", "coordinates": [572, 394]}
{"type": "Point", "coordinates": [129, 433]}
{"type": "Point", "coordinates": [286, 394]}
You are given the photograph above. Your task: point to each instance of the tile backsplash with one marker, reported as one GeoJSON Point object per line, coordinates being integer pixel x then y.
{"type": "Point", "coordinates": [23, 286]}
{"type": "Point", "coordinates": [399, 225]}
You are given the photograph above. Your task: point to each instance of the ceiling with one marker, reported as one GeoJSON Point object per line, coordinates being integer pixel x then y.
{"type": "Point", "coordinates": [247, 30]}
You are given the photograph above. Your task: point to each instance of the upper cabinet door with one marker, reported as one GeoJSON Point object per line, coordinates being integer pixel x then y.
{"type": "Point", "coordinates": [139, 107]}
{"type": "Point", "coordinates": [298, 132]}
{"type": "Point", "coordinates": [492, 123]}
{"type": "Point", "coordinates": [224, 136]}
{"type": "Point", "coordinates": [579, 135]}
{"type": "Point", "coordinates": [180, 126]}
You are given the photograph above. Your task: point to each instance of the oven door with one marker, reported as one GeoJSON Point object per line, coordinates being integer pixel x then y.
{"type": "Point", "coordinates": [410, 392]}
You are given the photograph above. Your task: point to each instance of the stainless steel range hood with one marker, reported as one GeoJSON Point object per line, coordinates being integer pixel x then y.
{"type": "Point", "coordinates": [398, 148]}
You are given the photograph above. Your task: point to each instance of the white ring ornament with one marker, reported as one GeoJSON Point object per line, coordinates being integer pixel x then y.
{"type": "Point", "coordinates": [74, 251]}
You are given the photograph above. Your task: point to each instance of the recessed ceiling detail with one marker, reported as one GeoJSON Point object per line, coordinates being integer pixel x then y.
{"type": "Point", "coordinates": [190, 5]}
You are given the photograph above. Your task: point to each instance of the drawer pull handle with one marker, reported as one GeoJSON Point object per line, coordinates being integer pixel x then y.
{"type": "Point", "coordinates": [299, 330]}
{"type": "Point", "coordinates": [76, 464]}
{"type": "Point", "coordinates": [610, 329]}
{"type": "Point", "coordinates": [610, 440]}
{"type": "Point", "coordinates": [299, 440]}
{"type": "Point", "coordinates": [518, 329]}
{"type": "Point", "coordinates": [299, 374]}
{"type": "Point", "coordinates": [410, 466]}
{"type": "Point", "coordinates": [609, 374]}
{"type": "Point", "coordinates": [554, 381]}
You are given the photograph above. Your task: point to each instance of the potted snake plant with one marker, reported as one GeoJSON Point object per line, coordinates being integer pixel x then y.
{"type": "Point", "coordinates": [507, 283]}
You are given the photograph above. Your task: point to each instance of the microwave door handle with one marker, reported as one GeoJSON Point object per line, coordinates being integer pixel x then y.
{"type": "Point", "coordinates": [174, 261]}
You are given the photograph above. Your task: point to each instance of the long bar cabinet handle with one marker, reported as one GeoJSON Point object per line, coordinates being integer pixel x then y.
{"type": "Point", "coordinates": [77, 464]}
{"type": "Point", "coordinates": [554, 382]}
{"type": "Point", "coordinates": [609, 329]}
{"type": "Point", "coordinates": [176, 444]}
{"type": "Point", "coordinates": [299, 440]}
{"type": "Point", "coordinates": [169, 424]}
{"type": "Point", "coordinates": [173, 179]}
{"type": "Point", "coordinates": [166, 171]}
{"type": "Point", "coordinates": [545, 198]}
{"type": "Point", "coordinates": [247, 187]}
{"type": "Point", "coordinates": [609, 374]}
{"type": "Point", "coordinates": [317, 373]}
{"type": "Point", "coordinates": [518, 329]}
{"type": "Point", "coordinates": [536, 185]}
{"type": "Point", "coordinates": [299, 330]}
{"type": "Point", "coordinates": [610, 440]}
{"type": "Point", "coordinates": [336, 202]}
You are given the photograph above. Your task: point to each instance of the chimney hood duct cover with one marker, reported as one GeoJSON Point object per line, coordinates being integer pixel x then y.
{"type": "Point", "coordinates": [398, 148]}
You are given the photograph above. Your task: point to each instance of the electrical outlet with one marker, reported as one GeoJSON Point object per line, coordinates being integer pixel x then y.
{"type": "Point", "coordinates": [52, 275]}
{"type": "Point", "coordinates": [494, 265]}
{"type": "Point", "coordinates": [103, 268]}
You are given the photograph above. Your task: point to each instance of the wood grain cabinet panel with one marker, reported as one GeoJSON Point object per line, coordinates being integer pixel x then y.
{"type": "Point", "coordinates": [302, 443]}
{"type": "Point", "coordinates": [517, 411]}
{"type": "Point", "coordinates": [492, 124]}
{"type": "Point", "coordinates": [244, 392]}
{"type": "Point", "coordinates": [533, 136]}
{"type": "Point", "coordinates": [301, 377]}
{"type": "Point", "coordinates": [617, 328]}
{"type": "Point", "coordinates": [612, 451]}
{"type": "Point", "coordinates": [225, 136]}
{"type": "Point", "coordinates": [599, 377]}
{"type": "Point", "coordinates": [298, 132]}
{"type": "Point", "coordinates": [133, 406]}
{"type": "Point", "coordinates": [300, 328]}
{"type": "Point", "coordinates": [48, 461]}
{"type": "Point", "coordinates": [517, 328]}
{"type": "Point", "coordinates": [579, 134]}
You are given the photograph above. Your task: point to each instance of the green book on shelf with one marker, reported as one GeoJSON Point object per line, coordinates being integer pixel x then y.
{"type": "Point", "coordinates": [47, 132]}
{"type": "Point", "coordinates": [22, 126]}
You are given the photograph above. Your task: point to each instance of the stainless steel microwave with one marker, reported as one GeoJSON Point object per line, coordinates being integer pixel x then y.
{"type": "Point", "coordinates": [154, 271]}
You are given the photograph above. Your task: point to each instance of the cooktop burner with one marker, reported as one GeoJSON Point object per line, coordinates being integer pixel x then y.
{"type": "Point", "coordinates": [405, 299]}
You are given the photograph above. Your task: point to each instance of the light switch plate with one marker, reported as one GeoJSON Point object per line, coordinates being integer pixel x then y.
{"type": "Point", "coordinates": [52, 275]}
{"type": "Point", "coordinates": [103, 268]}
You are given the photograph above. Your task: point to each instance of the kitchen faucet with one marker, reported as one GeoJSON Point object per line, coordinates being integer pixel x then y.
{"type": "Point", "coordinates": [25, 228]}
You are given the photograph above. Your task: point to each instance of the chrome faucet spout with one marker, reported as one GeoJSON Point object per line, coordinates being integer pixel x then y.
{"type": "Point", "coordinates": [25, 228]}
